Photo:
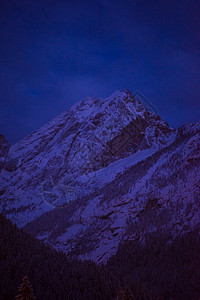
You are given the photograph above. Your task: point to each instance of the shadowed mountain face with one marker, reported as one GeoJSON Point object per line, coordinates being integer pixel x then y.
{"type": "Point", "coordinates": [105, 170]}
{"type": "Point", "coordinates": [4, 148]}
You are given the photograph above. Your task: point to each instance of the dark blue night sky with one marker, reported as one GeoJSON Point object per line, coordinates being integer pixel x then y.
{"type": "Point", "coordinates": [53, 53]}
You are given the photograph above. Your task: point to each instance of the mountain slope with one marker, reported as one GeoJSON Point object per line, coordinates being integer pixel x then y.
{"type": "Point", "coordinates": [158, 192]}
{"type": "Point", "coordinates": [104, 171]}
{"type": "Point", "coordinates": [87, 138]}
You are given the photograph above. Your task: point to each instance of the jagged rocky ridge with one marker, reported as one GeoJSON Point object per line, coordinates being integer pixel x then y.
{"type": "Point", "coordinates": [104, 171]}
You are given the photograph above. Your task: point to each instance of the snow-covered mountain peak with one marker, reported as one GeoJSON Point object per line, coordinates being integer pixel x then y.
{"type": "Point", "coordinates": [89, 107]}
{"type": "Point", "coordinates": [102, 162]}
{"type": "Point", "coordinates": [100, 120]}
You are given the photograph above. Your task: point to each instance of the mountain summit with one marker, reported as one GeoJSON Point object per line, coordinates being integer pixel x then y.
{"type": "Point", "coordinates": [105, 170]}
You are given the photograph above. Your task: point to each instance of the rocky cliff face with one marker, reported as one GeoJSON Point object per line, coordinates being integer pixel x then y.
{"type": "Point", "coordinates": [105, 170]}
{"type": "Point", "coordinates": [4, 148]}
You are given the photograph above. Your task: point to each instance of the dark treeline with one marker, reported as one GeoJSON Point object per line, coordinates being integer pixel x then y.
{"type": "Point", "coordinates": [156, 269]}
{"type": "Point", "coordinates": [160, 268]}
{"type": "Point", "coordinates": [52, 274]}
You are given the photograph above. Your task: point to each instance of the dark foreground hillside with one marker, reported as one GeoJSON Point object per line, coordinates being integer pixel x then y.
{"type": "Point", "coordinates": [160, 269]}
{"type": "Point", "coordinates": [155, 270]}
{"type": "Point", "coordinates": [52, 275]}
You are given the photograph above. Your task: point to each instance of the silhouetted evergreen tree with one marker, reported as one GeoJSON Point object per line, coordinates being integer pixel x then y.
{"type": "Point", "coordinates": [125, 294]}
{"type": "Point", "coordinates": [26, 290]}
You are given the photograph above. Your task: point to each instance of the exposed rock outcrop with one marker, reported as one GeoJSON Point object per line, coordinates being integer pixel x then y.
{"type": "Point", "coordinates": [4, 148]}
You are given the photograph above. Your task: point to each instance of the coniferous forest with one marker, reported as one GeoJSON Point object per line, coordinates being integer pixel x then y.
{"type": "Point", "coordinates": [156, 269]}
